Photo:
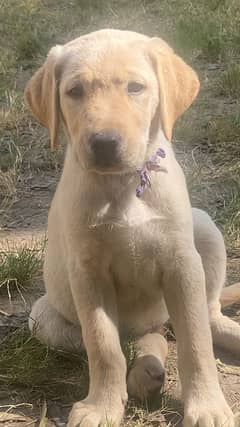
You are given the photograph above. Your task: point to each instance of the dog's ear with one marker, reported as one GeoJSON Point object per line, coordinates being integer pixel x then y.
{"type": "Point", "coordinates": [42, 97]}
{"type": "Point", "coordinates": [178, 84]}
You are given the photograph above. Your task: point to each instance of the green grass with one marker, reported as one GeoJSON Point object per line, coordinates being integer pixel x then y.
{"type": "Point", "coordinates": [214, 181]}
{"type": "Point", "coordinates": [229, 82]}
{"type": "Point", "coordinates": [206, 29]}
{"type": "Point", "coordinates": [203, 38]}
{"type": "Point", "coordinates": [19, 265]}
{"type": "Point", "coordinates": [207, 139]}
{"type": "Point", "coordinates": [230, 218]}
{"type": "Point", "coordinates": [34, 369]}
{"type": "Point", "coordinates": [223, 135]}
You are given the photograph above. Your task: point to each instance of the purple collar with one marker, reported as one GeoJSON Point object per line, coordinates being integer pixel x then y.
{"type": "Point", "coordinates": [150, 165]}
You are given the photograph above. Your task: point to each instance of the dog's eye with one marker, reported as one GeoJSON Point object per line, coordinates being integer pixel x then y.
{"type": "Point", "coordinates": [135, 87]}
{"type": "Point", "coordinates": [76, 91]}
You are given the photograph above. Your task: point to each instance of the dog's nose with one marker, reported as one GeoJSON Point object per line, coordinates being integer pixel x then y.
{"type": "Point", "coordinates": [105, 147]}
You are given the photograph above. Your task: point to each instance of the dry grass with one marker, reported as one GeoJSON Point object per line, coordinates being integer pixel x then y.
{"type": "Point", "coordinates": [10, 164]}
{"type": "Point", "coordinates": [34, 371]}
{"type": "Point", "coordinates": [207, 142]}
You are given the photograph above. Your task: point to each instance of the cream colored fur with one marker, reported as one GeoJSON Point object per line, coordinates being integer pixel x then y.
{"type": "Point", "coordinates": [117, 264]}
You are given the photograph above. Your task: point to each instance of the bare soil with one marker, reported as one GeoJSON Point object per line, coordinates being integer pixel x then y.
{"type": "Point", "coordinates": [27, 220]}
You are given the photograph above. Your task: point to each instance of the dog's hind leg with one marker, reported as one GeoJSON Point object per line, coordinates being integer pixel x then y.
{"type": "Point", "coordinates": [209, 243]}
{"type": "Point", "coordinates": [147, 372]}
{"type": "Point", "coordinates": [52, 328]}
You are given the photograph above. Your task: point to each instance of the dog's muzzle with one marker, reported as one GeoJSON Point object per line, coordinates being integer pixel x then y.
{"type": "Point", "coordinates": [105, 148]}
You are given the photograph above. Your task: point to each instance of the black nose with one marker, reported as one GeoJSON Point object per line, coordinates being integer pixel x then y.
{"type": "Point", "coordinates": [105, 146]}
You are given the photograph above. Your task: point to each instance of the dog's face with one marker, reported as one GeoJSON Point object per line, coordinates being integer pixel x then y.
{"type": "Point", "coordinates": [108, 99]}
{"type": "Point", "coordinates": [113, 90]}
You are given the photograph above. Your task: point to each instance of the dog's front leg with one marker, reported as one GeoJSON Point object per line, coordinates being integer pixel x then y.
{"type": "Point", "coordinates": [94, 298]}
{"type": "Point", "coordinates": [184, 291]}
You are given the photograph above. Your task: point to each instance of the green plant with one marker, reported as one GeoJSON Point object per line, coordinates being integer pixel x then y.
{"type": "Point", "coordinates": [19, 264]}
{"type": "Point", "coordinates": [229, 82]}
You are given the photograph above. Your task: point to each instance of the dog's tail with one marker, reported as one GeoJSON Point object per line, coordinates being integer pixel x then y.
{"type": "Point", "coordinates": [230, 295]}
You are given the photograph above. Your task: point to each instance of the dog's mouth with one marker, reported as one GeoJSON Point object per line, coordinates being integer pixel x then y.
{"type": "Point", "coordinates": [103, 165]}
{"type": "Point", "coordinates": [120, 169]}
{"type": "Point", "coordinates": [108, 163]}
{"type": "Point", "coordinates": [151, 165]}
{"type": "Point", "coordinates": [111, 165]}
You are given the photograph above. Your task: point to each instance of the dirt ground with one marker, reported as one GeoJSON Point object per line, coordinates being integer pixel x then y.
{"type": "Point", "coordinates": [27, 220]}
{"type": "Point", "coordinates": [55, 380]}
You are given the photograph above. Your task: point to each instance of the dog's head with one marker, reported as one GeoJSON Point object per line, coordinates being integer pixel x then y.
{"type": "Point", "coordinates": [113, 90]}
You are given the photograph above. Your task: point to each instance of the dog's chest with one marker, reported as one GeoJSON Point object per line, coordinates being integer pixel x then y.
{"type": "Point", "coordinates": [135, 264]}
{"type": "Point", "coordinates": [132, 237]}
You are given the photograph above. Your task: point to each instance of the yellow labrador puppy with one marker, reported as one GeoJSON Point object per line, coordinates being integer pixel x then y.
{"type": "Point", "coordinates": [125, 247]}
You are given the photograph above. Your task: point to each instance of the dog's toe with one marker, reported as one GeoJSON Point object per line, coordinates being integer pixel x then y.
{"type": "Point", "coordinates": [86, 414]}
{"type": "Point", "coordinates": [145, 377]}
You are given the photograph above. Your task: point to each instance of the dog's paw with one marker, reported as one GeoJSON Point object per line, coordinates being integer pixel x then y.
{"type": "Point", "coordinates": [145, 377]}
{"type": "Point", "coordinates": [86, 414]}
{"type": "Point", "coordinates": [210, 412]}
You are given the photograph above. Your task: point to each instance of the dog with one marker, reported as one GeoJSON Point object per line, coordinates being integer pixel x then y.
{"type": "Point", "coordinates": [125, 250]}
